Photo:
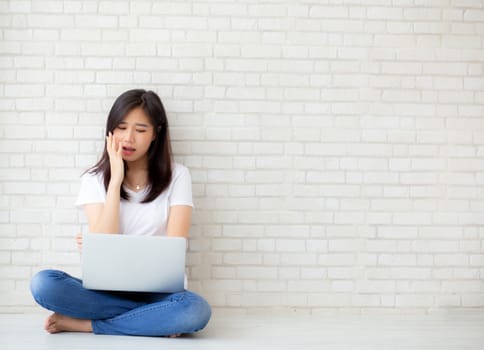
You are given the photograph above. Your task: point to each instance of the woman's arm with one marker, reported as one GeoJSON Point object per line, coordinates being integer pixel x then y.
{"type": "Point", "coordinates": [179, 221]}
{"type": "Point", "coordinates": [104, 217]}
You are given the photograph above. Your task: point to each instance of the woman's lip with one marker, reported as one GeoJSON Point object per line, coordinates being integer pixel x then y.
{"type": "Point", "coordinates": [128, 151]}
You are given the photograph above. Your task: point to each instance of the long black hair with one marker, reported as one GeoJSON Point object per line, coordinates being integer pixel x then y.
{"type": "Point", "coordinates": [159, 153]}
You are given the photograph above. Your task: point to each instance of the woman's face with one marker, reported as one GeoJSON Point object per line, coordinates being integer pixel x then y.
{"type": "Point", "coordinates": [135, 134]}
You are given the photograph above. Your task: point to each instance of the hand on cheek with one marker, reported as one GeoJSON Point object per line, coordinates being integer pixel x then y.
{"type": "Point", "coordinates": [114, 150]}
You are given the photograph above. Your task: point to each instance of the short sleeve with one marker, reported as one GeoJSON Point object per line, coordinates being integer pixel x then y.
{"type": "Point", "coordinates": [181, 191]}
{"type": "Point", "coordinates": [91, 190]}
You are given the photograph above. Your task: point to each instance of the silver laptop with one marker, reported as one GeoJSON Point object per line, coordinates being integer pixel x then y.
{"type": "Point", "coordinates": [133, 263]}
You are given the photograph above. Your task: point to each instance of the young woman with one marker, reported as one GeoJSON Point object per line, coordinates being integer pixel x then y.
{"type": "Point", "coordinates": [135, 188]}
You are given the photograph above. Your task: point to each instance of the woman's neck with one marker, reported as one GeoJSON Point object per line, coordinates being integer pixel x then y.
{"type": "Point", "coordinates": [136, 175]}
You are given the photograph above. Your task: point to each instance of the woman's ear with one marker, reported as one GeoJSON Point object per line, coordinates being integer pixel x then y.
{"type": "Point", "coordinates": [155, 134]}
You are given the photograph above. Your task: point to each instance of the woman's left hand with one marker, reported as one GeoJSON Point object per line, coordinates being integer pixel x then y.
{"type": "Point", "coordinates": [79, 241]}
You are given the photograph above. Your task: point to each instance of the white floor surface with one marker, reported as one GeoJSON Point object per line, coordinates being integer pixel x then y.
{"type": "Point", "coordinates": [459, 330]}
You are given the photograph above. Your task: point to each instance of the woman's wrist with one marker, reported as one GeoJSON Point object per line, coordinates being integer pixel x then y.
{"type": "Point", "coordinates": [115, 182]}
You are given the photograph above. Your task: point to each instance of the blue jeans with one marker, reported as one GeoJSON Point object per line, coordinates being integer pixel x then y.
{"type": "Point", "coordinates": [128, 313]}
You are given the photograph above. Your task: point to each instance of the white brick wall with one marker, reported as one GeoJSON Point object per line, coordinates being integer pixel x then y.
{"type": "Point", "coordinates": [336, 148]}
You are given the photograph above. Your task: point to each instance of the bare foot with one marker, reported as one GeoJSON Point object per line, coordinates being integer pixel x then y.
{"type": "Point", "coordinates": [174, 335]}
{"type": "Point", "coordinates": [56, 323]}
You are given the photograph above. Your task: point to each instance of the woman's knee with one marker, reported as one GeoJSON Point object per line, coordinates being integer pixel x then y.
{"type": "Point", "coordinates": [43, 283]}
{"type": "Point", "coordinates": [198, 313]}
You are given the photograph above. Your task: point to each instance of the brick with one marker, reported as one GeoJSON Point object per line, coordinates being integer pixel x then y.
{"type": "Point", "coordinates": [415, 300]}
{"type": "Point", "coordinates": [14, 244]}
{"type": "Point", "coordinates": [257, 273]}
{"type": "Point", "coordinates": [308, 286]}
{"type": "Point", "coordinates": [15, 272]}
{"type": "Point", "coordinates": [472, 15]}
{"type": "Point", "coordinates": [472, 300]}
{"type": "Point", "coordinates": [15, 174]}
{"type": "Point", "coordinates": [262, 299]}
{"type": "Point", "coordinates": [25, 188]}
{"type": "Point", "coordinates": [267, 10]}
{"type": "Point", "coordinates": [342, 286]}
{"type": "Point", "coordinates": [290, 246]}
{"type": "Point", "coordinates": [50, 21]}
{"type": "Point", "coordinates": [114, 8]}
{"type": "Point", "coordinates": [26, 258]}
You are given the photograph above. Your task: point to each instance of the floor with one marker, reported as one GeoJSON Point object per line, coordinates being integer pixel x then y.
{"type": "Point", "coordinates": [462, 330]}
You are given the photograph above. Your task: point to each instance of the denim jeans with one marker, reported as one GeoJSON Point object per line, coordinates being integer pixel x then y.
{"type": "Point", "coordinates": [128, 313]}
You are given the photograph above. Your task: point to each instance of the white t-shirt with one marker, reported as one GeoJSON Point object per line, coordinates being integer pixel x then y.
{"type": "Point", "coordinates": [138, 218]}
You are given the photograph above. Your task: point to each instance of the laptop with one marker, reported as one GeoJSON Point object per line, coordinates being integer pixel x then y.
{"type": "Point", "coordinates": [119, 262]}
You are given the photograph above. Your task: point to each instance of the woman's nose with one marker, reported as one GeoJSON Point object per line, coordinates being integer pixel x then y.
{"type": "Point", "coordinates": [128, 136]}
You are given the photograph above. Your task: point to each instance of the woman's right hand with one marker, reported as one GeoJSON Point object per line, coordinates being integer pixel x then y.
{"type": "Point", "coordinates": [116, 162]}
